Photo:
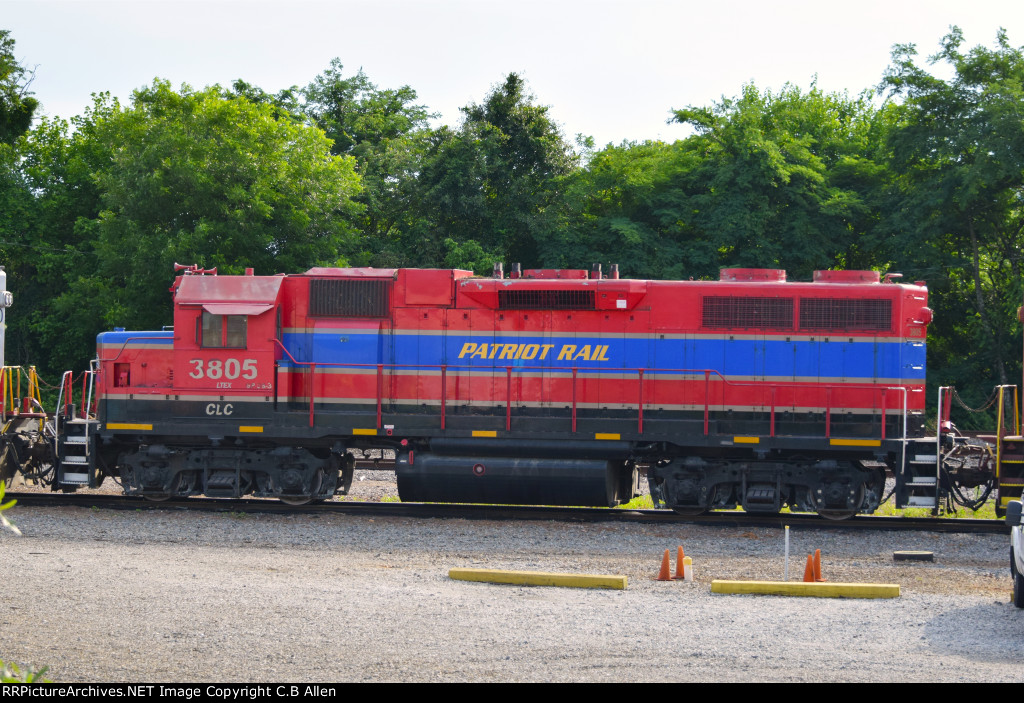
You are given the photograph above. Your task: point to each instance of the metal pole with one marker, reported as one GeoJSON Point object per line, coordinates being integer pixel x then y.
{"type": "Point", "coordinates": [785, 571]}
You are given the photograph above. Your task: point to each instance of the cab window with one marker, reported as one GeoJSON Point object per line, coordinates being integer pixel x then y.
{"type": "Point", "coordinates": [221, 331]}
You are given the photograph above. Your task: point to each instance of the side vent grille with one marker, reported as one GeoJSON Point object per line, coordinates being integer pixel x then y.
{"type": "Point", "coordinates": [329, 297]}
{"type": "Point", "coordinates": [844, 315]}
{"type": "Point", "coordinates": [760, 313]}
{"type": "Point", "coordinates": [546, 300]}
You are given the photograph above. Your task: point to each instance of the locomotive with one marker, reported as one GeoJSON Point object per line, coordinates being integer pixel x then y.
{"type": "Point", "coordinates": [545, 387]}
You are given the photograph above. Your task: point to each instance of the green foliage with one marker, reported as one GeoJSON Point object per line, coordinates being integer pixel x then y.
{"type": "Point", "coordinates": [468, 255]}
{"type": "Point", "coordinates": [639, 503]}
{"type": "Point", "coordinates": [632, 212]}
{"type": "Point", "coordinates": [498, 180]}
{"type": "Point", "coordinates": [956, 213]}
{"type": "Point", "coordinates": [358, 116]}
{"type": "Point", "coordinates": [17, 105]}
{"type": "Point", "coordinates": [386, 132]}
{"type": "Point", "coordinates": [179, 176]}
{"type": "Point", "coordinates": [17, 108]}
{"type": "Point", "coordinates": [782, 180]}
{"type": "Point", "coordinates": [11, 673]}
{"type": "Point", "coordinates": [4, 521]}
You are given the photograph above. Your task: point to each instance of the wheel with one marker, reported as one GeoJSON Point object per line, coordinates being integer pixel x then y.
{"type": "Point", "coordinates": [182, 488]}
{"type": "Point", "coordinates": [843, 513]}
{"type": "Point", "coordinates": [837, 514]}
{"type": "Point", "coordinates": [1018, 590]}
{"type": "Point", "coordinates": [314, 493]}
{"type": "Point", "coordinates": [688, 510]}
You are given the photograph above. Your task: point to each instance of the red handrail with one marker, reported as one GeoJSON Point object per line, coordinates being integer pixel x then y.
{"type": "Point", "coordinates": [574, 371]}
{"type": "Point", "coordinates": [132, 339]}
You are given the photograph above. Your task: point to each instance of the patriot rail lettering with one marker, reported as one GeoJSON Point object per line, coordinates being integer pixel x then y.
{"type": "Point", "coordinates": [528, 352]}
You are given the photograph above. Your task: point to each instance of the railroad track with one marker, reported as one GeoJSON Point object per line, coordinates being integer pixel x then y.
{"type": "Point", "coordinates": [506, 512]}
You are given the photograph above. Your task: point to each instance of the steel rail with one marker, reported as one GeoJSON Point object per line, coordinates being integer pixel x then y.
{"type": "Point", "coordinates": [725, 518]}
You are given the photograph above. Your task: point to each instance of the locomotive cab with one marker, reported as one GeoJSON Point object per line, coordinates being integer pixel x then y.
{"type": "Point", "coordinates": [224, 348]}
{"type": "Point", "coordinates": [207, 426]}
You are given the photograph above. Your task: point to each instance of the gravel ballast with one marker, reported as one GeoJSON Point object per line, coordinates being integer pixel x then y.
{"type": "Point", "coordinates": [139, 596]}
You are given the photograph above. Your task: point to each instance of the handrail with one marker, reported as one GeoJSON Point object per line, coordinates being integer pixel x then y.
{"type": "Point", "coordinates": [32, 397]}
{"type": "Point", "coordinates": [942, 411]}
{"type": "Point", "coordinates": [1001, 425]}
{"type": "Point", "coordinates": [65, 384]}
{"type": "Point", "coordinates": [124, 345]}
{"type": "Point", "coordinates": [640, 373]}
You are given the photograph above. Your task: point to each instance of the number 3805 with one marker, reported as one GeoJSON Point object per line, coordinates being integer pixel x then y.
{"type": "Point", "coordinates": [215, 369]}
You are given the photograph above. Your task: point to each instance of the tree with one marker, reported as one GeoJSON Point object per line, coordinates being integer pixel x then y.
{"type": "Point", "coordinates": [357, 115]}
{"type": "Point", "coordinates": [783, 180]}
{"type": "Point", "coordinates": [630, 207]}
{"type": "Point", "coordinates": [49, 243]}
{"type": "Point", "coordinates": [959, 150]}
{"type": "Point", "coordinates": [386, 132]}
{"type": "Point", "coordinates": [178, 176]}
{"type": "Point", "coordinates": [17, 106]}
{"type": "Point", "coordinates": [499, 179]}
{"type": "Point", "coordinates": [17, 202]}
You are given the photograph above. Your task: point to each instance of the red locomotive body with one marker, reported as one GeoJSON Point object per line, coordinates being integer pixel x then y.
{"type": "Point", "coordinates": [551, 387]}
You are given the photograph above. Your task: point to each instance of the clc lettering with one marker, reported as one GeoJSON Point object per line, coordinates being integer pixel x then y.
{"type": "Point", "coordinates": [218, 409]}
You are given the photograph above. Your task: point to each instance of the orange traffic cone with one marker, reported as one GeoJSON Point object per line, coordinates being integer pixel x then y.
{"type": "Point", "coordinates": [663, 575]}
{"type": "Point", "coordinates": [809, 570]}
{"type": "Point", "coordinates": [680, 568]}
{"type": "Point", "coordinates": [817, 566]}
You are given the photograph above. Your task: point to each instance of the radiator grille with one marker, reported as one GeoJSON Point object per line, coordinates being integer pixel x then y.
{"type": "Point", "coordinates": [348, 297]}
{"type": "Point", "coordinates": [546, 300]}
{"type": "Point", "coordinates": [844, 315]}
{"type": "Point", "coordinates": [761, 313]}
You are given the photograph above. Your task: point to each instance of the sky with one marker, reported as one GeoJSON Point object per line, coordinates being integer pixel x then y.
{"type": "Point", "coordinates": [610, 69]}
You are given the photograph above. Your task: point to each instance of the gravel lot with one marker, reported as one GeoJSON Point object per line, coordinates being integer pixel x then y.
{"type": "Point", "coordinates": [172, 596]}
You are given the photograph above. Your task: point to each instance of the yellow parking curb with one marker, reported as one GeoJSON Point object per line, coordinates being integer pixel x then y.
{"type": "Point", "coordinates": [814, 590]}
{"type": "Point", "coordinates": [539, 578]}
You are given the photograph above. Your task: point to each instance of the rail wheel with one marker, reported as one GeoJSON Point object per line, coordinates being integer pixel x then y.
{"type": "Point", "coordinates": [183, 487]}
{"type": "Point", "coordinates": [837, 514]}
{"type": "Point", "coordinates": [689, 510]}
{"type": "Point", "coordinates": [314, 492]}
{"type": "Point", "coordinates": [836, 494]}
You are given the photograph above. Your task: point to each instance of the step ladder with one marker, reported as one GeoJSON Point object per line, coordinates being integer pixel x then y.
{"type": "Point", "coordinates": [75, 436]}
{"type": "Point", "coordinates": [1010, 470]}
{"type": "Point", "coordinates": [917, 484]}
{"type": "Point", "coordinates": [1009, 450]}
{"type": "Point", "coordinates": [76, 460]}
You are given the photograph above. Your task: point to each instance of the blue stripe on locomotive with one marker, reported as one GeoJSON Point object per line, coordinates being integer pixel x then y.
{"type": "Point", "coordinates": [745, 357]}
{"type": "Point", "coordinates": [166, 337]}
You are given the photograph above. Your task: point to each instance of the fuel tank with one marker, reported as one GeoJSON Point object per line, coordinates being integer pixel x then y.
{"type": "Point", "coordinates": [425, 476]}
